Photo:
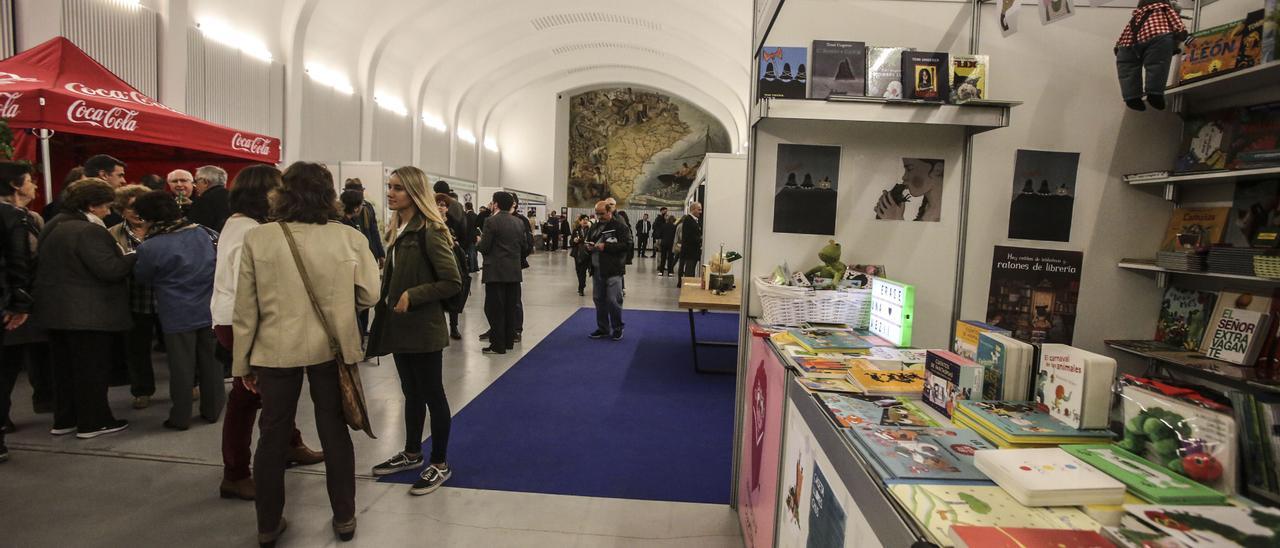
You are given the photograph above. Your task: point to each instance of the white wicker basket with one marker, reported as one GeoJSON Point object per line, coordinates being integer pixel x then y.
{"type": "Point", "coordinates": [787, 305]}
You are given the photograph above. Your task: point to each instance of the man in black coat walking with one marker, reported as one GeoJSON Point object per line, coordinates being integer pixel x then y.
{"type": "Point", "coordinates": [504, 247]}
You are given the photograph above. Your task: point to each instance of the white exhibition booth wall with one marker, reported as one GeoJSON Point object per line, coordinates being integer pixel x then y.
{"type": "Point", "coordinates": [723, 178]}
{"type": "Point", "coordinates": [1065, 75]}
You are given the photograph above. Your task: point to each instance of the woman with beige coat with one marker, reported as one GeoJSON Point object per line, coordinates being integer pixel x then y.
{"type": "Point", "coordinates": [278, 336]}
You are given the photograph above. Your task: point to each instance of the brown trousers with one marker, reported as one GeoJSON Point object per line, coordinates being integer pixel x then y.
{"type": "Point", "coordinates": [280, 389]}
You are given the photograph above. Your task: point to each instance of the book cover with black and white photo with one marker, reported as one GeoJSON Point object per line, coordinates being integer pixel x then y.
{"type": "Point", "coordinates": [838, 68]}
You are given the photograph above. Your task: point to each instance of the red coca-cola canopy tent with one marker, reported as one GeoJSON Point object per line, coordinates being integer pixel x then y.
{"type": "Point", "coordinates": [57, 86]}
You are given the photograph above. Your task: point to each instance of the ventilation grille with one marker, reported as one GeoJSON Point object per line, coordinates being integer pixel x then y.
{"type": "Point", "coordinates": [228, 87]}
{"type": "Point", "coordinates": [120, 36]}
{"type": "Point", "coordinates": [571, 48]}
{"type": "Point", "coordinates": [7, 42]}
{"type": "Point", "coordinates": [586, 68]}
{"type": "Point", "coordinates": [561, 19]}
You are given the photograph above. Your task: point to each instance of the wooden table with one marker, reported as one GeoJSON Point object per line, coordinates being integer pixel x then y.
{"type": "Point", "coordinates": [693, 297]}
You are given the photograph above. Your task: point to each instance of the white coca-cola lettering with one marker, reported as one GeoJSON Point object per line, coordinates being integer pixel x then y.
{"type": "Point", "coordinates": [129, 96]}
{"type": "Point", "coordinates": [117, 118]}
{"type": "Point", "coordinates": [256, 145]}
{"type": "Point", "coordinates": [9, 106]}
{"type": "Point", "coordinates": [11, 78]}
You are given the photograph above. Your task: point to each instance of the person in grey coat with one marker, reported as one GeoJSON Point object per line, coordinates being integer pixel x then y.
{"type": "Point", "coordinates": [503, 245]}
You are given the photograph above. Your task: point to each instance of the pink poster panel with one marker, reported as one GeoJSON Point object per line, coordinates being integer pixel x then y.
{"type": "Point", "coordinates": [761, 445]}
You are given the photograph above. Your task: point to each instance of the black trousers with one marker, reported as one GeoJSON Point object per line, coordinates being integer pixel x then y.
{"type": "Point", "coordinates": [280, 389]}
{"type": "Point", "coordinates": [666, 259]}
{"type": "Point", "coordinates": [422, 381]}
{"type": "Point", "coordinates": [34, 357]}
{"type": "Point", "coordinates": [688, 266]}
{"type": "Point", "coordinates": [583, 268]}
{"type": "Point", "coordinates": [642, 241]}
{"type": "Point", "coordinates": [137, 354]}
{"type": "Point", "coordinates": [9, 370]}
{"type": "Point", "coordinates": [81, 365]}
{"type": "Point", "coordinates": [501, 306]}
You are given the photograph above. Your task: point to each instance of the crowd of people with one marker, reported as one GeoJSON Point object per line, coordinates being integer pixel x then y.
{"type": "Point", "coordinates": [266, 282]}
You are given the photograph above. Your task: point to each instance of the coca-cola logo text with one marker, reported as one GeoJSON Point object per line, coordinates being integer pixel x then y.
{"type": "Point", "coordinates": [11, 78]}
{"type": "Point", "coordinates": [117, 118]}
{"type": "Point", "coordinates": [129, 96]}
{"type": "Point", "coordinates": [256, 145]}
{"type": "Point", "coordinates": [9, 104]}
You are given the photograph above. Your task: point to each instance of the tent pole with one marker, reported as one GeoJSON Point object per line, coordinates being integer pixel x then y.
{"type": "Point", "coordinates": [44, 135]}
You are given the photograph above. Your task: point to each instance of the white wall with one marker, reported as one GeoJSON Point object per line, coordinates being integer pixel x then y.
{"type": "Point", "coordinates": [331, 124]}
{"type": "Point", "coordinates": [723, 217]}
{"type": "Point", "coordinates": [433, 150]}
{"type": "Point", "coordinates": [392, 138]}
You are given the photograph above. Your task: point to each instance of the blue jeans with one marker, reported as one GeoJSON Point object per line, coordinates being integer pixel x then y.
{"type": "Point", "coordinates": [607, 294]}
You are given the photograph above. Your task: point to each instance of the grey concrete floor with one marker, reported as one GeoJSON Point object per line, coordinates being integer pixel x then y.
{"type": "Point", "coordinates": [149, 486]}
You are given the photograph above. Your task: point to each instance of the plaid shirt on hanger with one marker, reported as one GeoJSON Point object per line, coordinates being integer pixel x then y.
{"type": "Point", "coordinates": [1163, 19]}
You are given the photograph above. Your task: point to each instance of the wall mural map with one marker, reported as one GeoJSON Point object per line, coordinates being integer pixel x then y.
{"type": "Point", "coordinates": [641, 147]}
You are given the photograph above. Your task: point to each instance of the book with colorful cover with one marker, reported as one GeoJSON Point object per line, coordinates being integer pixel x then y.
{"type": "Point", "coordinates": [916, 454]}
{"type": "Point", "coordinates": [1075, 385]}
{"type": "Point", "coordinates": [887, 383]}
{"type": "Point", "coordinates": [1206, 141]}
{"type": "Point", "coordinates": [884, 72]}
{"type": "Point", "coordinates": [1205, 445]}
{"type": "Point", "coordinates": [1026, 420]}
{"type": "Point", "coordinates": [833, 341]}
{"type": "Point", "coordinates": [1184, 314]}
{"type": "Point", "coordinates": [822, 367]}
{"type": "Point", "coordinates": [1237, 336]}
{"type": "Point", "coordinates": [1212, 525]}
{"type": "Point", "coordinates": [828, 385]}
{"type": "Point", "coordinates": [849, 410]}
{"type": "Point", "coordinates": [969, 78]}
{"type": "Point", "coordinates": [973, 536]}
{"type": "Point", "coordinates": [1248, 217]}
{"type": "Point", "coordinates": [1256, 141]}
{"type": "Point", "coordinates": [949, 378]}
{"type": "Point", "coordinates": [967, 333]}
{"type": "Point", "coordinates": [938, 507]}
{"type": "Point", "coordinates": [925, 76]}
{"type": "Point", "coordinates": [1191, 227]}
{"type": "Point", "coordinates": [1144, 478]}
{"type": "Point", "coordinates": [1211, 52]}
{"type": "Point", "coordinates": [1006, 367]}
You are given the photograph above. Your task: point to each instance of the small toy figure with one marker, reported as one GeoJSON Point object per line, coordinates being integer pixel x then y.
{"type": "Point", "coordinates": [1147, 45]}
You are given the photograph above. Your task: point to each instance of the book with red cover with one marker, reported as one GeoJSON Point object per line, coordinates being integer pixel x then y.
{"type": "Point", "coordinates": [965, 536]}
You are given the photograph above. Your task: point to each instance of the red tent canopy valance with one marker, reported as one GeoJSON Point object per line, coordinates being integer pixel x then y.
{"type": "Point", "coordinates": [57, 86]}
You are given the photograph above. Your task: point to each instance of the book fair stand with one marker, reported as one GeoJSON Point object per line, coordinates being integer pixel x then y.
{"type": "Point", "coordinates": [75, 108]}
{"type": "Point", "coordinates": [873, 412]}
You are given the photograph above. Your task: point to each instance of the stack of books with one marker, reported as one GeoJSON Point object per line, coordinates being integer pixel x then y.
{"type": "Point", "coordinates": [830, 341]}
{"type": "Point", "coordinates": [821, 367]}
{"type": "Point", "coordinates": [878, 382]}
{"type": "Point", "coordinates": [1017, 424]}
{"type": "Point", "coordinates": [893, 359]}
{"type": "Point", "coordinates": [1075, 385]}
{"type": "Point", "coordinates": [909, 454]}
{"type": "Point", "coordinates": [1152, 482]}
{"type": "Point", "coordinates": [1232, 260]}
{"type": "Point", "coordinates": [1006, 364]}
{"type": "Point", "coordinates": [940, 507]}
{"type": "Point", "coordinates": [949, 378]}
{"type": "Point", "coordinates": [1190, 261]}
{"type": "Point", "coordinates": [851, 410]}
{"type": "Point", "coordinates": [1048, 477]}
{"type": "Point", "coordinates": [968, 335]}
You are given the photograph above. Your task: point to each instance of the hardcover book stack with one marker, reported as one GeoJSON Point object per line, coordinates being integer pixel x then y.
{"type": "Point", "coordinates": [1075, 385]}
{"type": "Point", "coordinates": [1048, 477]}
{"type": "Point", "coordinates": [967, 335]}
{"type": "Point", "coordinates": [1232, 260]}
{"type": "Point", "coordinates": [1188, 261]}
{"type": "Point", "coordinates": [950, 378]}
{"type": "Point", "coordinates": [1006, 364]}
{"type": "Point", "coordinates": [1020, 424]}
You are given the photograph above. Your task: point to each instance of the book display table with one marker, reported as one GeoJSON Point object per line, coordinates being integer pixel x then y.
{"type": "Point", "coordinates": [694, 297]}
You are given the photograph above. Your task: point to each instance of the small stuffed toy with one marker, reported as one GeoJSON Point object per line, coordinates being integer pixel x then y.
{"type": "Point", "coordinates": [831, 268]}
{"type": "Point", "coordinates": [1148, 44]}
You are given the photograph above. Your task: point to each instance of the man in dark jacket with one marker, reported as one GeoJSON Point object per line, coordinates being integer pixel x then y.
{"type": "Point", "coordinates": [665, 235]}
{"type": "Point", "coordinates": [524, 259]}
{"type": "Point", "coordinates": [471, 237]}
{"type": "Point", "coordinates": [610, 241]}
{"type": "Point", "coordinates": [503, 245]}
{"type": "Point", "coordinates": [643, 228]}
{"type": "Point", "coordinates": [211, 206]}
{"type": "Point", "coordinates": [566, 229]}
{"type": "Point", "coordinates": [551, 232]}
{"type": "Point", "coordinates": [691, 241]}
{"type": "Point", "coordinates": [657, 229]}
{"type": "Point", "coordinates": [367, 224]}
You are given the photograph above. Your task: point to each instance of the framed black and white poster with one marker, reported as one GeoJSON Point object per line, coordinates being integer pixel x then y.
{"type": "Point", "coordinates": [804, 200]}
{"type": "Point", "coordinates": [1044, 189]}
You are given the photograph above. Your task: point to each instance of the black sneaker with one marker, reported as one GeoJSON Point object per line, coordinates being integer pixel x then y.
{"type": "Point", "coordinates": [110, 428]}
{"type": "Point", "coordinates": [62, 430]}
{"type": "Point", "coordinates": [402, 461]}
{"type": "Point", "coordinates": [484, 336]}
{"type": "Point", "coordinates": [492, 350]}
{"type": "Point", "coordinates": [429, 480]}
{"type": "Point", "coordinates": [598, 334]}
{"type": "Point", "coordinates": [617, 335]}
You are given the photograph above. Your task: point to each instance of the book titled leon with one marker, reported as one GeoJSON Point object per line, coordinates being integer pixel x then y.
{"type": "Point", "coordinates": [950, 378]}
{"type": "Point", "coordinates": [1075, 385]}
{"type": "Point", "coordinates": [925, 76]}
{"type": "Point", "coordinates": [1236, 336]}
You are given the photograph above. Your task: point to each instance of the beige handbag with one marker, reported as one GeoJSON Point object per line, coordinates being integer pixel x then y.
{"type": "Point", "coordinates": [353, 406]}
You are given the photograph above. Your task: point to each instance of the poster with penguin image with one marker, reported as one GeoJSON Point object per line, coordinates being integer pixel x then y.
{"type": "Point", "coordinates": [783, 72]}
{"type": "Point", "coordinates": [808, 180]}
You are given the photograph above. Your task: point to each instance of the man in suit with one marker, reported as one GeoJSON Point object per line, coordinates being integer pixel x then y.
{"type": "Point", "coordinates": [657, 228]}
{"type": "Point", "coordinates": [504, 245]}
{"type": "Point", "coordinates": [610, 243]}
{"type": "Point", "coordinates": [691, 241]}
{"type": "Point", "coordinates": [665, 236]}
{"type": "Point", "coordinates": [211, 207]}
{"type": "Point", "coordinates": [565, 229]}
{"type": "Point", "coordinates": [643, 228]}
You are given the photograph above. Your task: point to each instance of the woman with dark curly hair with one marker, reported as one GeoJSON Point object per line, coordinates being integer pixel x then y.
{"type": "Point", "coordinates": [82, 297]}
{"type": "Point", "coordinates": [279, 335]}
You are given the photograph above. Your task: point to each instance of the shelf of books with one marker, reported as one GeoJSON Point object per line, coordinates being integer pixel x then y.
{"type": "Point", "coordinates": [979, 115]}
{"type": "Point", "coordinates": [1192, 363]}
{"type": "Point", "coordinates": [1208, 177]}
{"type": "Point", "coordinates": [1151, 265]}
{"type": "Point", "coordinates": [1231, 83]}
{"type": "Point", "coordinates": [997, 438]}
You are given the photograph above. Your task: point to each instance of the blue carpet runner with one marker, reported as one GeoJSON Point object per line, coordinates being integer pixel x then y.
{"type": "Point", "coordinates": [597, 418]}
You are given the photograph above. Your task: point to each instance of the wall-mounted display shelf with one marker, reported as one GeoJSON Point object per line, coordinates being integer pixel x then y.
{"type": "Point", "coordinates": [1149, 265]}
{"type": "Point", "coordinates": [1226, 374]}
{"type": "Point", "coordinates": [1212, 177]}
{"type": "Point", "coordinates": [980, 116]}
{"type": "Point", "coordinates": [1231, 83]}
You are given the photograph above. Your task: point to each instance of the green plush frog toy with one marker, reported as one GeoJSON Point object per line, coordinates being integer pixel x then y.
{"type": "Point", "coordinates": [831, 268]}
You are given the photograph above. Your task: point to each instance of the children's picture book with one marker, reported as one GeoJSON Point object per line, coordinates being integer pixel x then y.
{"type": "Point", "coordinates": [1075, 385]}
{"type": "Point", "coordinates": [1212, 525]}
{"type": "Point", "coordinates": [1192, 227]}
{"type": "Point", "coordinates": [969, 78]}
{"type": "Point", "coordinates": [1048, 477]}
{"type": "Point", "coordinates": [950, 378]}
{"type": "Point", "coordinates": [1144, 478]}
{"type": "Point", "coordinates": [782, 72]}
{"type": "Point", "coordinates": [884, 72]}
{"type": "Point", "coordinates": [915, 454]}
{"type": "Point", "coordinates": [839, 68]}
{"type": "Point", "coordinates": [1206, 141]}
{"type": "Point", "coordinates": [1006, 363]}
{"type": "Point", "coordinates": [938, 507]}
{"type": "Point", "coordinates": [1256, 140]}
{"type": "Point", "coordinates": [925, 76]}
{"type": "Point", "coordinates": [887, 383]}
{"type": "Point", "coordinates": [1211, 51]}
{"type": "Point", "coordinates": [1236, 336]}
{"type": "Point", "coordinates": [828, 385]}
{"type": "Point", "coordinates": [967, 333]}
{"type": "Point", "coordinates": [1255, 207]}
{"type": "Point", "coordinates": [1034, 293]}
{"type": "Point", "coordinates": [1184, 315]}
{"type": "Point", "coordinates": [1024, 419]}
{"type": "Point", "coordinates": [971, 536]}
{"type": "Point", "coordinates": [849, 410]}
{"type": "Point", "coordinates": [1182, 434]}
{"type": "Point", "coordinates": [835, 341]}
